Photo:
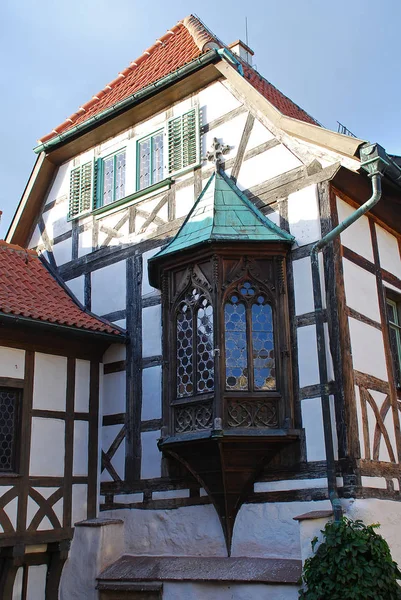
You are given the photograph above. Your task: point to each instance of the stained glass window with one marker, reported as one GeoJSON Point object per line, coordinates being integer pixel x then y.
{"type": "Point", "coordinates": [236, 345]}
{"type": "Point", "coordinates": [249, 341]}
{"type": "Point", "coordinates": [150, 160]}
{"type": "Point", "coordinates": [195, 360]}
{"type": "Point", "coordinates": [263, 346]}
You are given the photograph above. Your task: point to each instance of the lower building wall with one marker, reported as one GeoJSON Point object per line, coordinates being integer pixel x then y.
{"type": "Point", "coordinates": [264, 530]}
{"type": "Point", "coordinates": [210, 591]}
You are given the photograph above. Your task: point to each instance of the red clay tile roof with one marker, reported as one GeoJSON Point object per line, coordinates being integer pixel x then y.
{"type": "Point", "coordinates": [27, 289]}
{"type": "Point", "coordinates": [183, 43]}
{"type": "Point", "coordinates": [273, 95]}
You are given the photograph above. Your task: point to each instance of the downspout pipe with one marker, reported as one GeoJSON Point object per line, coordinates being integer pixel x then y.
{"type": "Point", "coordinates": [374, 160]}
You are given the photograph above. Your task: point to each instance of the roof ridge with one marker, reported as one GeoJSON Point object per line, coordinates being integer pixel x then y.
{"type": "Point", "coordinates": [193, 26]}
{"type": "Point", "coordinates": [15, 248]}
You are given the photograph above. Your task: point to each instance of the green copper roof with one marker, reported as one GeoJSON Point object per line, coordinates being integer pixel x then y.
{"type": "Point", "coordinates": [223, 213]}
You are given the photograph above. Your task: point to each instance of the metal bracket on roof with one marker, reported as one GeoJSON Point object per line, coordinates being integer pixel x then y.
{"type": "Point", "coordinates": [231, 58]}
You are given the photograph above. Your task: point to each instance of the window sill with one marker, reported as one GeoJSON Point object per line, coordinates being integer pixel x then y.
{"type": "Point", "coordinates": [7, 475]}
{"type": "Point", "coordinates": [148, 192]}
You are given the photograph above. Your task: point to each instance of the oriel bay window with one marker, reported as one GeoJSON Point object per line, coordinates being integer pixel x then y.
{"type": "Point", "coordinates": [227, 391]}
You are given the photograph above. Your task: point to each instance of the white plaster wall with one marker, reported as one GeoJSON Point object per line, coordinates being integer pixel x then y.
{"type": "Point", "coordinates": [185, 531]}
{"type": "Point", "coordinates": [80, 458]}
{"type": "Point", "coordinates": [357, 237]}
{"type": "Point", "coordinates": [56, 219]}
{"type": "Point", "coordinates": [147, 289]}
{"type": "Point", "coordinates": [214, 591]}
{"type": "Point", "coordinates": [379, 398]}
{"type": "Point", "coordinates": [92, 550]}
{"type": "Point", "coordinates": [77, 287]}
{"type": "Point", "coordinates": [307, 356]}
{"type": "Point", "coordinates": [17, 589]}
{"type": "Point", "coordinates": [265, 166]}
{"type": "Point", "coordinates": [312, 421]}
{"type": "Point", "coordinates": [151, 456]}
{"type": "Point", "coordinates": [85, 242]}
{"type": "Point", "coordinates": [61, 184]}
{"type": "Point", "coordinates": [12, 362]}
{"type": "Point", "coordinates": [259, 135]}
{"type": "Point", "coordinates": [114, 393]}
{"type": "Point", "coordinates": [151, 393]}
{"type": "Point", "coordinates": [228, 133]}
{"type": "Point", "coordinates": [36, 588]}
{"type": "Point", "coordinates": [10, 508]}
{"type": "Point", "coordinates": [42, 461]}
{"type": "Point", "coordinates": [82, 381]}
{"type": "Point", "coordinates": [303, 215]}
{"type": "Point", "coordinates": [152, 331]}
{"type": "Point", "coordinates": [62, 252]}
{"type": "Point", "coordinates": [216, 101]}
{"type": "Point", "coordinates": [303, 286]}
{"type": "Point", "coordinates": [79, 502]}
{"type": "Point", "coordinates": [269, 529]}
{"type": "Point", "coordinates": [108, 288]}
{"type": "Point", "coordinates": [114, 353]}
{"type": "Point", "coordinates": [184, 201]}
{"type": "Point", "coordinates": [361, 290]}
{"type": "Point", "coordinates": [367, 349]}
{"type": "Point", "coordinates": [50, 381]}
{"type": "Point", "coordinates": [389, 251]}
{"type": "Point", "coordinates": [289, 484]}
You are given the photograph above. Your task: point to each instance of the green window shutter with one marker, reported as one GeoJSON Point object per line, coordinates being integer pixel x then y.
{"type": "Point", "coordinates": [98, 183]}
{"type": "Point", "coordinates": [183, 141]}
{"type": "Point", "coordinates": [86, 187]}
{"type": "Point", "coordinates": [75, 192]}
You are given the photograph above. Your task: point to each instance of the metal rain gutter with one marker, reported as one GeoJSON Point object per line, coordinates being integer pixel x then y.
{"type": "Point", "coordinates": [375, 161]}
{"type": "Point", "coordinates": [62, 138]}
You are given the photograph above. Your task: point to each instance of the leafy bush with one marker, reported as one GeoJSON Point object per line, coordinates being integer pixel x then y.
{"type": "Point", "coordinates": [352, 563]}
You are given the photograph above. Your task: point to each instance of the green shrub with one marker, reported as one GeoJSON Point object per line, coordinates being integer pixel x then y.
{"type": "Point", "coordinates": [353, 562]}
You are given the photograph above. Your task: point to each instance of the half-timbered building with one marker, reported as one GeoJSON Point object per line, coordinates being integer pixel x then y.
{"type": "Point", "coordinates": [191, 204]}
{"type": "Point", "coordinates": [51, 351]}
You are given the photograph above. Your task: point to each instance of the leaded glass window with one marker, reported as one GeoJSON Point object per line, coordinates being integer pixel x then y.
{"type": "Point", "coordinates": [394, 321]}
{"type": "Point", "coordinates": [150, 160]}
{"type": "Point", "coordinates": [249, 340]}
{"type": "Point", "coordinates": [9, 410]}
{"type": "Point", "coordinates": [112, 178]}
{"type": "Point", "coordinates": [194, 345]}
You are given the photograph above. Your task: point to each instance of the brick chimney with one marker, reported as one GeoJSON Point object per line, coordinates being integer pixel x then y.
{"type": "Point", "coordinates": [242, 50]}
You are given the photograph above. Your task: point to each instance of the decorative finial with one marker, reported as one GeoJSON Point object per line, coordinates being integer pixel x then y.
{"type": "Point", "coordinates": [215, 155]}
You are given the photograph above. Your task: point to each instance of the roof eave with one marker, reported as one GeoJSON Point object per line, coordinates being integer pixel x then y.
{"type": "Point", "coordinates": [127, 103]}
{"type": "Point", "coordinates": [11, 319]}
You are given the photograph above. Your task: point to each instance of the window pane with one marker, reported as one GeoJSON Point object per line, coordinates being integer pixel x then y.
{"type": "Point", "coordinates": [204, 346]}
{"type": "Point", "coordinates": [263, 346]}
{"type": "Point", "coordinates": [184, 351]}
{"type": "Point", "coordinates": [395, 343]}
{"type": "Point", "coordinates": [392, 311]}
{"type": "Point", "coordinates": [9, 399]}
{"type": "Point", "coordinates": [157, 158]}
{"type": "Point", "coordinates": [144, 163]}
{"type": "Point", "coordinates": [108, 180]}
{"type": "Point", "coordinates": [120, 176]}
{"type": "Point", "coordinates": [235, 345]}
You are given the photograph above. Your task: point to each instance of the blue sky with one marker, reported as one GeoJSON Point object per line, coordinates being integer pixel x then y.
{"type": "Point", "coordinates": [337, 60]}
